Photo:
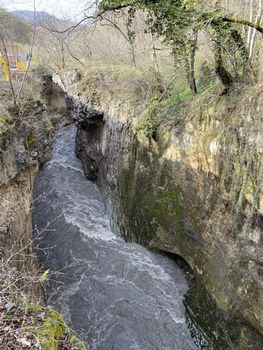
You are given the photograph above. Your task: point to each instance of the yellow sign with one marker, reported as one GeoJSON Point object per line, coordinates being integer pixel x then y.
{"type": "Point", "coordinates": [5, 67]}
{"type": "Point", "coordinates": [20, 65]}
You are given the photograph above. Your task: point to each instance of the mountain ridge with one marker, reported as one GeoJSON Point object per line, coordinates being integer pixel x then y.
{"type": "Point", "coordinates": [30, 16]}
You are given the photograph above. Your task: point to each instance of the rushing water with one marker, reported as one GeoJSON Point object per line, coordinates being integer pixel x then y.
{"type": "Point", "coordinates": [116, 295]}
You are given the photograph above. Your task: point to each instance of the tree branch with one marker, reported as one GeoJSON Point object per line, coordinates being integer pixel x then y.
{"type": "Point", "coordinates": [31, 53]}
{"type": "Point", "coordinates": [243, 22]}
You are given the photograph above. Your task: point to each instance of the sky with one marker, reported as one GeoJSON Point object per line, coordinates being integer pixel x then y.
{"type": "Point", "coordinates": [59, 8]}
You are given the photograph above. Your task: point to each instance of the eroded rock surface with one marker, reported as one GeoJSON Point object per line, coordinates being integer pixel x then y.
{"type": "Point", "coordinates": [24, 146]}
{"type": "Point", "coordinates": [195, 192]}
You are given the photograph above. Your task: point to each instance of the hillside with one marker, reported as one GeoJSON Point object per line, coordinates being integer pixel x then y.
{"type": "Point", "coordinates": [14, 29]}
{"type": "Point", "coordinates": [31, 16]}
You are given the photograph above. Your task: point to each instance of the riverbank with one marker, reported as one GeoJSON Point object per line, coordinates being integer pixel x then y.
{"type": "Point", "coordinates": [25, 145]}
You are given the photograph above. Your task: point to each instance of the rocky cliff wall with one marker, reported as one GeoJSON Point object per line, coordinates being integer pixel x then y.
{"type": "Point", "coordinates": [24, 146]}
{"type": "Point", "coordinates": [194, 191]}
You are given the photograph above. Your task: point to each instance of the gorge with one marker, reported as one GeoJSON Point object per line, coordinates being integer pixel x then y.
{"type": "Point", "coordinates": [131, 175]}
{"type": "Point", "coordinates": [179, 193]}
{"type": "Point", "coordinates": [116, 295]}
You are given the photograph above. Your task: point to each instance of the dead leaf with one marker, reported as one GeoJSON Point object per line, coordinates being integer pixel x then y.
{"type": "Point", "coordinates": [9, 306]}
{"type": "Point", "coordinates": [24, 341]}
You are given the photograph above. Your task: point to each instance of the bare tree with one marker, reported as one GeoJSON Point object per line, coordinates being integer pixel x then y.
{"type": "Point", "coordinates": [253, 31]}
{"type": "Point", "coordinates": [251, 19]}
{"type": "Point", "coordinates": [4, 36]}
{"type": "Point", "coordinates": [30, 55]}
{"type": "Point", "coordinates": [124, 29]}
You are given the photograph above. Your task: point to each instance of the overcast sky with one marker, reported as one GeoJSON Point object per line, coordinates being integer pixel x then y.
{"type": "Point", "coordinates": [60, 8]}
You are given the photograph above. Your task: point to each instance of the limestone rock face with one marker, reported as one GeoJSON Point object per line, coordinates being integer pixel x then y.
{"type": "Point", "coordinates": [18, 165]}
{"type": "Point", "coordinates": [23, 148]}
{"type": "Point", "coordinates": [196, 192]}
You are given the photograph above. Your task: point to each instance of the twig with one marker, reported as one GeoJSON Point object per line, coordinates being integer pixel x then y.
{"type": "Point", "coordinates": [31, 52]}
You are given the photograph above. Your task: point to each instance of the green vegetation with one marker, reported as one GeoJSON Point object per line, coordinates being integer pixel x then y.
{"type": "Point", "coordinates": [35, 327]}
{"type": "Point", "coordinates": [53, 331]}
{"type": "Point", "coordinates": [5, 124]}
{"type": "Point", "coordinates": [150, 118]}
{"type": "Point", "coordinates": [168, 208]}
{"type": "Point", "coordinates": [178, 23]}
{"type": "Point", "coordinates": [27, 324]}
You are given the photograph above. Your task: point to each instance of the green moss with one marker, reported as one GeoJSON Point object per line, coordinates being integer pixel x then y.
{"type": "Point", "coordinates": [77, 343]}
{"type": "Point", "coordinates": [168, 209]}
{"type": "Point", "coordinates": [52, 330]}
{"type": "Point", "coordinates": [184, 94]}
{"type": "Point", "coordinates": [5, 123]}
{"type": "Point", "coordinates": [34, 308]}
{"type": "Point", "coordinates": [150, 199]}
{"type": "Point", "coordinates": [30, 142]}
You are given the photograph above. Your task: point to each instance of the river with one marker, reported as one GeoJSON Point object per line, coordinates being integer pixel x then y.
{"type": "Point", "coordinates": [115, 295]}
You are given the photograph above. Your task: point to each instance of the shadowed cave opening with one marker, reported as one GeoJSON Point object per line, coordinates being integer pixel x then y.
{"type": "Point", "coordinates": [183, 264]}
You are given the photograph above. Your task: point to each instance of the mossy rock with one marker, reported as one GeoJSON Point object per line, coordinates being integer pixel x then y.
{"type": "Point", "coordinates": [52, 330]}
{"type": "Point", "coordinates": [76, 342]}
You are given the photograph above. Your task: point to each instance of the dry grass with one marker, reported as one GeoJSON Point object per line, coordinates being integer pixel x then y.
{"type": "Point", "coordinates": [120, 80]}
{"type": "Point", "coordinates": [13, 320]}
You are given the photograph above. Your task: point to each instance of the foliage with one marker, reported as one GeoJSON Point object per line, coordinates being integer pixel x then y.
{"type": "Point", "coordinates": [5, 124]}
{"type": "Point", "coordinates": [206, 76]}
{"type": "Point", "coordinates": [44, 277]}
{"type": "Point", "coordinates": [149, 119]}
{"type": "Point", "coordinates": [168, 106]}
{"type": "Point", "coordinates": [178, 23]}
{"type": "Point", "coordinates": [175, 21]}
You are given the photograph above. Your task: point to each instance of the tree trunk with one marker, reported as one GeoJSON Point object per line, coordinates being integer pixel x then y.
{"type": "Point", "coordinates": [253, 33]}
{"type": "Point", "coordinates": [251, 19]}
{"type": "Point", "coordinates": [244, 22]}
{"type": "Point", "coordinates": [227, 5]}
{"type": "Point", "coordinates": [133, 56]}
{"type": "Point", "coordinates": [190, 65]}
{"type": "Point", "coordinates": [156, 66]}
{"type": "Point", "coordinates": [248, 71]}
{"type": "Point", "coordinates": [63, 61]}
{"type": "Point", "coordinates": [190, 76]}
{"type": "Point", "coordinates": [224, 76]}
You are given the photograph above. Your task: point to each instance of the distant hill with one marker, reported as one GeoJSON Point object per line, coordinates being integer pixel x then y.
{"type": "Point", "coordinates": [29, 16]}
{"type": "Point", "coordinates": [16, 29]}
